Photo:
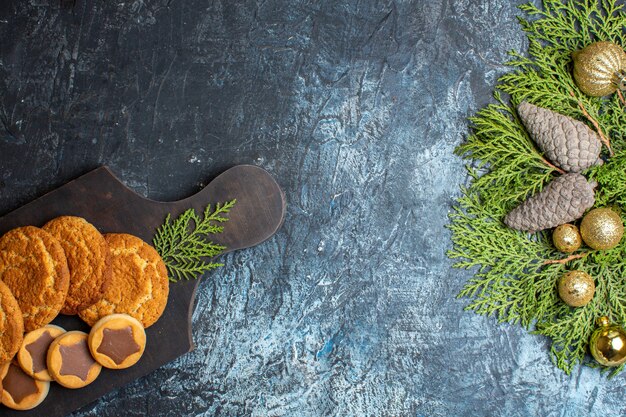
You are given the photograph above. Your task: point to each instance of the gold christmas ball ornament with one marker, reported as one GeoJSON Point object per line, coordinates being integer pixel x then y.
{"type": "Point", "coordinates": [576, 288]}
{"type": "Point", "coordinates": [600, 68]}
{"type": "Point", "coordinates": [608, 343]}
{"type": "Point", "coordinates": [566, 238]}
{"type": "Point", "coordinates": [602, 228]}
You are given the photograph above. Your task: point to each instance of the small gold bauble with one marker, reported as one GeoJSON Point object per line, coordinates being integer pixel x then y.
{"type": "Point", "coordinates": [566, 238]}
{"type": "Point", "coordinates": [608, 343]}
{"type": "Point", "coordinates": [576, 288]}
{"type": "Point", "coordinates": [602, 228]}
{"type": "Point", "coordinates": [599, 68]}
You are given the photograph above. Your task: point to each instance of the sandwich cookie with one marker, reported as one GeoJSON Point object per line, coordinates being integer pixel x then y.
{"type": "Point", "coordinates": [21, 391]}
{"type": "Point", "coordinates": [117, 341]}
{"type": "Point", "coordinates": [69, 361]}
{"type": "Point", "coordinates": [33, 355]}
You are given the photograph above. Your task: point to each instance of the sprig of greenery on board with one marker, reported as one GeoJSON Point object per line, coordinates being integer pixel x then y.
{"type": "Point", "coordinates": [514, 280]}
{"type": "Point", "coordinates": [185, 243]}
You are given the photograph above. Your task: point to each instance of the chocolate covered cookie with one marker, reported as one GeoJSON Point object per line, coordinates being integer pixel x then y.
{"type": "Point", "coordinates": [34, 267]}
{"type": "Point", "coordinates": [139, 285]}
{"type": "Point", "coordinates": [11, 324]}
{"type": "Point", "coordinates": [69, 361]}
{"type": "Point", "coordinates": [21, 391]}
{"type": "Point", "coordinates": [33, 354]}
{"type": "Point", "coordinates": [117, 341]}
{"type": "Point", "coordinates": [88, 260]}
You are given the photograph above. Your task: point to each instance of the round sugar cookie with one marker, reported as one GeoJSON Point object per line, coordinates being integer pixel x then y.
{"type": "Point", "coordinates": [69, 361]}
{"type": "Point", "coordinates": [20, 390]}
{"type": "Point", "coordinates": [117, 341]}
{"type": "Point", "coordinates": [11, 324]}
{"type": "Point", "coordinates": [33, 354]}
{"type": "Point", "coordinates": [34, 267]}
{"type": "Point", "coordinates": [139, 285]}
{"type": "Point", "coordinates": [88, 260]}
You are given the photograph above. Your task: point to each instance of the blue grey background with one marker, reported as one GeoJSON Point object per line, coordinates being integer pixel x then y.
{"type": "Point", "coordinates": [355, 107]}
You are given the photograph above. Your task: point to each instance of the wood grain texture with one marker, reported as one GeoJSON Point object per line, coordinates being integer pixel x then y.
{"type": "Point", "coordinates": [104, 201]}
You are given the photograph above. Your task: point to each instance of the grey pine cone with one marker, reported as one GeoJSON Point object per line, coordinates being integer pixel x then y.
{"type": "Point", "coordinates": [565, 199]}
{"type": "Point", "coordinates": [568, 143]}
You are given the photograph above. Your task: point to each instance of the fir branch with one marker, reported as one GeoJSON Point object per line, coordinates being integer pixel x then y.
{"type": "Point", "coordinates": [501, 145]}
{"type": "Point", "coordinates": [515, 274]}
{"type": "Point", "coordinates": [565, 260]}
{"type": "Point", "coordinates": [185, 245]}
{"type": "Point", "coordinates": [595, 124]}
{"type": "Point", "coordinates": [611, 178]}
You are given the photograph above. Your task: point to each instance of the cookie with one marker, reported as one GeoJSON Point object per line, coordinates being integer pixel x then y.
{"type": "Point", "coordinates": [21, 391]}
{"type": "Point", "coordinates": [88, 260]}
{"type": "Point", "coordinates": [69, 361]}
{"type": "Point", "coordinates": [117, 341]}
{"type": "Point", "coordinates": [139, 285]}
{"type": "Point", "coordinates": [33, 266]}
{"type": "Point", "coordinates": [33, 353]}
{"type": "Point", "coordinates": [11, 324]}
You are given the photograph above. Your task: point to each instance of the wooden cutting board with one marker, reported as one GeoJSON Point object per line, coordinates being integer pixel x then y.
{"type": "Point", "coordinates": [103, 200]}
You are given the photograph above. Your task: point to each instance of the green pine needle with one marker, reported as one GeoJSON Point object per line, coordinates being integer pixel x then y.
{"type": "Point", "coordinates": [511, 281]}
{"type": "Point", "coordinates": [185, 244]}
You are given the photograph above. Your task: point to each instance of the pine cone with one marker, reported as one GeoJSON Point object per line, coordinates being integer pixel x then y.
{"type": "Point", "coordinates": [568, 143]}
{"type": "Point", "coordinates": [565, 199]}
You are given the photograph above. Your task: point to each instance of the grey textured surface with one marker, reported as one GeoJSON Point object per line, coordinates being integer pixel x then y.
{"type": "Point", "coordinates": [355, 107]}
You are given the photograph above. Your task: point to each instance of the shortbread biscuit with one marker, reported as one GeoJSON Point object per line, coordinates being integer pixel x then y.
{"type": "Point", "coordinates": [34, 267]}
{"type": "Point", "coordinates": [21, 391]}
{"type": "Point", "coordinates": [33, 353]}
{"type": "Point", "coordinates": [69, 361]}
{"type": "Point", "coordinates": [139, 285]}
{"type": "Point", "coordinates": [117, 341]}
{"type": "Point", "coordinates": [88, 260]}
{"type": "Point", "coordinates": [11, 324]}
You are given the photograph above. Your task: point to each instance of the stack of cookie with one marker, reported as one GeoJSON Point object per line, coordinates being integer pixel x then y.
{"type": "Point", "coordinates": [116, 283]}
